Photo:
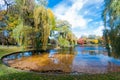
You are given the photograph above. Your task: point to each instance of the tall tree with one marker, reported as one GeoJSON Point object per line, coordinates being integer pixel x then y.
{"type": "Point", "coordinates": [26, 9]}
{"type": "Point", "coordinates": [42, 26]}
{"type": "Point", "coordinates": [65, 37]}
{"type": "Point", "coordinates": [22, 34]}
{"type": "Point", "coordinates": [52, 21]}
{"type": "Point", "coordinates": [111, 17]}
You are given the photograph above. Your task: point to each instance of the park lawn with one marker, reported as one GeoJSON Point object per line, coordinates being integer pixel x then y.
{"type": "Point", "coordinates": [7, 73]}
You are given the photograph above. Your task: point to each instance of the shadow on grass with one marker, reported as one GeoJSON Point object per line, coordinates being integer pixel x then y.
{"type": "Point", "coordinates": [35, 76]}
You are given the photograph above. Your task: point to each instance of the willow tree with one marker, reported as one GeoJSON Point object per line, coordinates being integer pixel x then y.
{"type": "Point", "coordinates": [52, 21]}
{"type": "Point", "coordinates": [20, 20]}
{"type": "Point", "coordinates": [42, 27]}
{"type": "Point", "coordinates": [26, 9]}
{"type": "Point", "coordinates": [22, 34]}
{"type": "Point", "coordinates": [111, 17]}
{"type": "Point", "coordinates": [65, 36]}
{"type": "Point", "coordinates": [33, 16]}
{"type": "Point", "coordinates": [71, 38]}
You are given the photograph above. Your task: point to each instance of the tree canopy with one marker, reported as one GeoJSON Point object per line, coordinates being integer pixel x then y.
{"type": "Point", "coordinates": [111, 17]}
{"type": "Point", "coordinates": [31, 23]}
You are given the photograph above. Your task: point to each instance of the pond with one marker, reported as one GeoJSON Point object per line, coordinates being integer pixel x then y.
{"type": "Point", "coordinates": [91, 60]}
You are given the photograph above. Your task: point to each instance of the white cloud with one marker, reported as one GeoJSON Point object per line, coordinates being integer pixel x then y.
{"type": "Point", "coordinates": [99, 31]}
{"type": "Point", "coordinates": [94, 1]}
{"type": "Point", "coordinates": [71, 13]}
{"type": "Point", "coordinates": [1, 2]}
{"type": "Point", "coordinates": [79, 34]}
{"type": "Point", "coordinates": [74, 11]}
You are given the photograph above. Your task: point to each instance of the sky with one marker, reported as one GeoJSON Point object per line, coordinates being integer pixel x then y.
{"type": "Point", "coordinates": [83, 15]}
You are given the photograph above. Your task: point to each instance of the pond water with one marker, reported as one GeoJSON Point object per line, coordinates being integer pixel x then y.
{"type": "Point", "coordinates": [81, 59]}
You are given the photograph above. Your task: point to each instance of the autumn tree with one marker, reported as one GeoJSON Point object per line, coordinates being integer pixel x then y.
{"type": "Point", "coordinates": [42, 26]}
{"type": "Point", "coordinates": [111, 17]}
{"type": "Point", "coordinates": [65, 36]}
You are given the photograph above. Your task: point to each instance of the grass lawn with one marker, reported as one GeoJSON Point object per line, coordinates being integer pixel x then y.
{"type": "Point", "coordinates": [7, 73]}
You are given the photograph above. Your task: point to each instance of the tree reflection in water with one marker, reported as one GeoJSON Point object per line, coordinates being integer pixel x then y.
{"type": "Point", "coordinates": [79, 59]}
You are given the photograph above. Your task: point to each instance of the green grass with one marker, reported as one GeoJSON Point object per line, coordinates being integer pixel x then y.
{"type": "Point", "coordinates": [7, 73]}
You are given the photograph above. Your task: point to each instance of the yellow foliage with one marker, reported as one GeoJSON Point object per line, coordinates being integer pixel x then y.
{"type": "Point", "coordinates": [1, 17]}
{"type": "Point", "coordinates": [51, 19]}
{"type": "Point", "coordinates": [11, 25]}
{"type": "Point", "coordinates": [50, 13]}
{"type": "Point", "coordinates": [42, 24]}
{"type": "Point", "coordinates": [2, 14]}
{"type": "Point", "coordinates": [95, 41]}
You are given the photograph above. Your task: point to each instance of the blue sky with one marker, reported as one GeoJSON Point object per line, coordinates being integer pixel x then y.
{"type": "Point", "coordinates": [83, 15]}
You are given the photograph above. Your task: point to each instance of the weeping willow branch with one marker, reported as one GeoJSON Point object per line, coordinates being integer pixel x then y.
{"type": "Point", "coordinates": [42, 27]}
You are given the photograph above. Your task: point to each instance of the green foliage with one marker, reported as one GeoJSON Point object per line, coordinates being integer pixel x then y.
{"type": "Point", "coordinates": [22, 34]}
{"type": "Point", "coordinates": [30, 17]}
{"type": "Point", "coordinates": [52, 22]}
{"type": "Point", "coordinates": [42, 26]}
{"type": "Point", "coordinates": [111, 17]}
{"type": "Point", "coordinates": [25, 10]}
{"type": "Point", "coordinates": [65, 34]}
{"type": "Point", "coordinates": [37, 18]}
{"type": "Point", "coordinates": [2, 19]}
{"type": "Point", "coordinates": [63, 42]}
{"type": "Point", "coordinates": [12, 22]}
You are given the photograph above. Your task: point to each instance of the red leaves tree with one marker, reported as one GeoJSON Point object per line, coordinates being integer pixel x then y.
{"type": "Point", "coordinates": [81, 41]}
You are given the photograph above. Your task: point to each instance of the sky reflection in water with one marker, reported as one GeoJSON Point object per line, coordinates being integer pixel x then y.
{"type": "Point", "coordinates": [80, 60]}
